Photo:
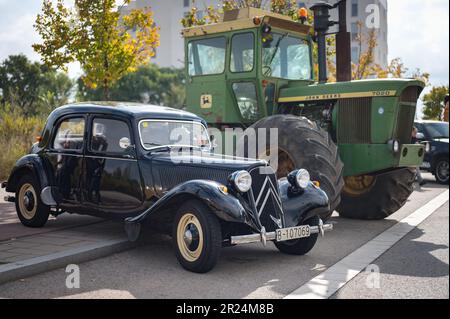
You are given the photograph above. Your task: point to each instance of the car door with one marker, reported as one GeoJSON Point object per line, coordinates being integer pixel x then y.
{"type": "Point", "coordinates": [112, 181]}
{"type": "Point", "coordinates": [245, 91]}
{"type": "Point", "coordinates": [65, 158]}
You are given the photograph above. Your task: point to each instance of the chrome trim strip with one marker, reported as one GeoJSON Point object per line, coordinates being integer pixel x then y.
{"type": "Point", "coordinates": [64, 154]}
{"type": "Point", "coordinates": [112, 158]}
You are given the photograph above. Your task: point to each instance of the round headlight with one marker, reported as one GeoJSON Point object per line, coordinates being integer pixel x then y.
{"type": "Point", "coordinates": [243, 181]}
{"type": "Point", "coordinates": [302, 178]}
{"type": "Point", "coordinates": [396, 146]}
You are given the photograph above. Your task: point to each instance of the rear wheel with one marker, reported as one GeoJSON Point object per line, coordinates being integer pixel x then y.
{"type": "Point", "coordinates": [376, 197]}
{"type": "Point", "coordinates": [302, 144]}
{"type": "Point", "coordinates": [30, 209]}
{"type": "Point", "coordinates": [197, 237]}
{"type": "Point", "coordinates": [301, 246]}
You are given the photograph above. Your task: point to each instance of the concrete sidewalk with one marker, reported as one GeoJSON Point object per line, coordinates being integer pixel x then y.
{"type": "Point", "coordinates": [64, 240]}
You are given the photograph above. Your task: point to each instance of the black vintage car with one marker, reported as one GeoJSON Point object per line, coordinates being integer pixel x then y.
{"type": "Point", "coordinates": [436, 160]}
{"type": "Point", "coordinates": [122, 160]}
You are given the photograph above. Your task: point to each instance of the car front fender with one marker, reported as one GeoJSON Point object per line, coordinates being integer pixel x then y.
{"type": "Point", "coordinates": [300, 206]}
{"type": "Point", "coordinates": [225, 206]}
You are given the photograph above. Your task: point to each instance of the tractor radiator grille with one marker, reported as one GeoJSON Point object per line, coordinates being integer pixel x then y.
{"type": "Point", "coordinates": [410, 95]}
{"type": "Point", "coordinates": [406, 114]}
{"type": "Point", "coordinates": [354, 124]}
{"type": "Point", "coordinates": [405, 122]}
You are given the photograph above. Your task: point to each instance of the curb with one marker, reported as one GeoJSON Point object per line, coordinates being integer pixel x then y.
{"type": "Point", "coordinates": [34, 266]}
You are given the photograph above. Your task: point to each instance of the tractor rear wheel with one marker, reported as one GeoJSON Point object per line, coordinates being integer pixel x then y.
{"type": "Point", "coordinates": [376, 197]}
{"type": "Point", "coordinates": [303, 144]}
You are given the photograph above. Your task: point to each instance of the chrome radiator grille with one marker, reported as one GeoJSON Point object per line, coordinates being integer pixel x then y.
{"type": "Point", "coordinates": [267, 199]}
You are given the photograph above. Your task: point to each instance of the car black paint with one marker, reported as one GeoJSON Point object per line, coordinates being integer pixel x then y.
{"type": "Point", "coordinates": [439, 149]}
{"type": "Point", "coordinates": [146, 188]}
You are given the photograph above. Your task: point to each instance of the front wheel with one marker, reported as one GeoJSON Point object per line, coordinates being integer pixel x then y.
{"type": "Point", "coordinates": [197, 237]}
{"type": "Point", "coordinates": [441, 171]}
{"type": "Point", "coordinates": [30, 209]}
{"type": "Point", "coordinates": [301, 246]}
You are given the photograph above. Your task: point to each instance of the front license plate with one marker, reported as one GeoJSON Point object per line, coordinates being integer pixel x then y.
{"type": "Point", "coordinates": [293, 233]}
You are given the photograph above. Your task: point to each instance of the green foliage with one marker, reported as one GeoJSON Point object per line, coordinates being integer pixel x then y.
{"type": "Point", "coordinates": [33, 87]}
{"type": "Point", "coordinates": [434, 102]}
{"type": "Point", "coordinates": [149, 84]}
{"type": "Point", "coordinates": [17, 134]}
{"type": "Point", "coordinates": [96, 35]}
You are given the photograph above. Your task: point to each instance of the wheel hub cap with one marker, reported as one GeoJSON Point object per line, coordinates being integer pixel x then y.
{"type": "Point", "coordinates": [27, 201]}
{"type": "Point", "coordinates": [190, 237]}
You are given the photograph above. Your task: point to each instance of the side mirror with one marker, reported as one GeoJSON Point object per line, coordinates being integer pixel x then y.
{"type": "Point", "coordinates": [420, 136]}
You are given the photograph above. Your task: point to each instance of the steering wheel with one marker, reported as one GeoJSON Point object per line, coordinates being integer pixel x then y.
{"type": "Point", "coordinates": [267, 70]}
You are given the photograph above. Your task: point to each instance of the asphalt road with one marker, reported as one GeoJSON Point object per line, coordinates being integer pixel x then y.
{"type": "Point", "coordinates": [416, 267]}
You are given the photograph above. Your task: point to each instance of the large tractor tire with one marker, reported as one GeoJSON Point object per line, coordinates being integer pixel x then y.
{"type": "Point", "coordinates": [376, 197]}
{"type": "Point", "coordinates": [302, 144]}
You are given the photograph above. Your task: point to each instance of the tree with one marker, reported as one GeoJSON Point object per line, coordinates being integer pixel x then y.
{"type": "Point", "coordinates": [149, 84]}
{"type": "Point", "coordinates": [98, 37]}
{"type": "Point", "coordinates": [32, 87]}
{"type": "Point", "coordinates": [434, 102]}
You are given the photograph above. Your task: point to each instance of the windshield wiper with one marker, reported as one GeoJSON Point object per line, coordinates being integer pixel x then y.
{"type": "Point", "coordinates": [277, 46]}
{"type": "Point", "coordinates": [168, 148]}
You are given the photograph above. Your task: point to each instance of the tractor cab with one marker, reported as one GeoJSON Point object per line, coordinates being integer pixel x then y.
{"type": "Point", "coordinates": [254, 53]}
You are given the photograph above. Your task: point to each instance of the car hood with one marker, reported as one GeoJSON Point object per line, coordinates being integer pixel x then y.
{"type": "Point", "coordinates": [441, 140]}
{"type": "Point", "coordinates": [172, 169]}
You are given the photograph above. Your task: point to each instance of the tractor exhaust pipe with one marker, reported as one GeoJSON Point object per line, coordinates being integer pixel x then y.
{"type": "Point", "coordinates": [321, 25]}
{"type": "Point", "coordinates": [343, 46]}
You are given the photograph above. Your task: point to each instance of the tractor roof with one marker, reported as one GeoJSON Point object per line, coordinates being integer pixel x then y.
{"type": "Point", "coordinates": [241, 19]}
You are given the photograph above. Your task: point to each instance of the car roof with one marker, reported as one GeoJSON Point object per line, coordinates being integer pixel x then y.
{"type": "Point", "coordinates": [127, 109]}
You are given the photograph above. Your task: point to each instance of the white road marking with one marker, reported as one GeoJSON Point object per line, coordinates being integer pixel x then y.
{"type": "Point", "coordinates": [337, 276]}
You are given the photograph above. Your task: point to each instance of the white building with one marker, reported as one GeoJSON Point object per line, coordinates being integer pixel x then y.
{"type": "Point", "coordinates": [168, 14]}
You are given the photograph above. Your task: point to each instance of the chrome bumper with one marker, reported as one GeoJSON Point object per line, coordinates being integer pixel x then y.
{"type": "Point", "coordinates": [263, 237]}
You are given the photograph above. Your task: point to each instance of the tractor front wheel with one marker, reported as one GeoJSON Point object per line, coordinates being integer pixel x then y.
{"type": "Point", "coordinates": [301, 144]}
{"type": "Point", "coordinates": [376, 197]}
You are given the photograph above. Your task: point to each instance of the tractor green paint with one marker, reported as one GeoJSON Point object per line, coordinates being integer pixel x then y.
{"type": "Point", "coordinates": [238, 74]}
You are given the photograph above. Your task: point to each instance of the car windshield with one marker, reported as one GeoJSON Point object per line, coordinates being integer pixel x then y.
{"type": "Point", "coordinates": [287, 57]}
{"type": "Point", "coordinates": [437, 130]}
{"type": "Point", "coordinates": [157, 133]}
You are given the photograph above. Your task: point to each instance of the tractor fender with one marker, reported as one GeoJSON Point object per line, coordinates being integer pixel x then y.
{"type": "Point", "coordinates": [300, 206]}
{"type": "Point", "coordinates": [225, 206]}
{"type": "Point", "coordinates": [30, 163]}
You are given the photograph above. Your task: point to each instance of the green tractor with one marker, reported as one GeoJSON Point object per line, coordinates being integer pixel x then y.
{"type": "Point", "coordinates": [255, 70]}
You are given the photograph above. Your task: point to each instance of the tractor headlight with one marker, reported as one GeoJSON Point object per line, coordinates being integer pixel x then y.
{"type": "Point", "coordinates": [242, 180]}
{"type": "Point", "coordinates": [299, 178]}
{"type": "Point", "coordinates": [395, 145]}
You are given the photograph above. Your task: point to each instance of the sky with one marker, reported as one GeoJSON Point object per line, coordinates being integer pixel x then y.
{"type": "Point", "coordinates": [418, 33]}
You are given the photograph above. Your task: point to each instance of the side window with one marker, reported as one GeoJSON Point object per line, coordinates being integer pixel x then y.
{"type": "Point", "coordinates": [70, 134]}
{"type": "Point", "coordinates": [109, 136]}
{"type": "Point", "coordinates": [247, 99]}
{"type": "Point", "coordinates": [206, 57]}
{"type": "Point", "coordinates": [242, 52]}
